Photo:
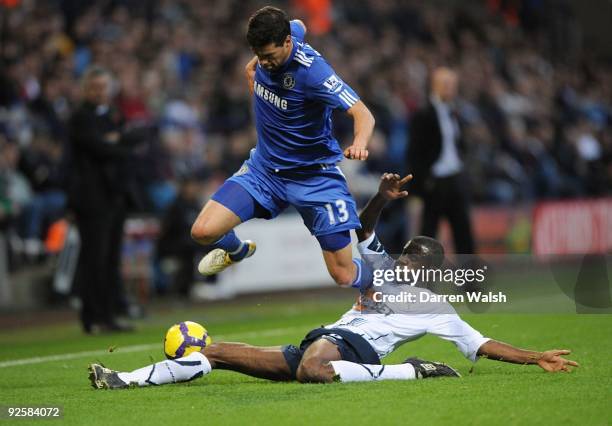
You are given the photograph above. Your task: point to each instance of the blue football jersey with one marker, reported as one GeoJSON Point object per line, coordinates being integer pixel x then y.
{"type": "Point", "coordinates": [293, 107]}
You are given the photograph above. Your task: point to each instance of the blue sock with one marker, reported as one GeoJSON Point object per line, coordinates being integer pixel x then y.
{"type": "Point", "coordinates": [363, 278]}
{"type": "Point", "coordinates": [230, 242]}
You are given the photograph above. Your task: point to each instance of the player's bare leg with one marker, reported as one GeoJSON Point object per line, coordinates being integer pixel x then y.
{"type": "Point", "coordinates": [214, 226]}
{"type": "Point", "coordinates": [340, 265]}
{"type": "Point", "coordinates": [214, 221]}
{"type": "Point", "coordinates": [315, 366]}
{"type": "Point", "coordinates": [262, 362]}
{"type": "Point", "coordinates": [322, 363]}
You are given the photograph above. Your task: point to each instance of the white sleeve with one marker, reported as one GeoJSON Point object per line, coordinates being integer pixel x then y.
{"type": "Point", "coordinates": [372, 245]}
{"type": "Point", "coordinates": [451, 327]}
{"type": "Point", "coordinates": [373, 252]}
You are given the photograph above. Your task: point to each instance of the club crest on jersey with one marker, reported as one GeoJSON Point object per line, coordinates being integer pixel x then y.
{"type": "Point", "coordinates": [288, 81]}
{"type": "Point", "coordinates": [333, 84]}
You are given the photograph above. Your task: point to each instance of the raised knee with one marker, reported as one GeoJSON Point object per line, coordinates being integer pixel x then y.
{"type": "Point", "coordinates": [314, 370]}
{"type": "Point", "coordinates": [203, 233]}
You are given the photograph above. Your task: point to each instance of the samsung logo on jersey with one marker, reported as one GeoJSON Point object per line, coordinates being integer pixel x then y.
{"type": "Point", "coordinates": [268, 95]}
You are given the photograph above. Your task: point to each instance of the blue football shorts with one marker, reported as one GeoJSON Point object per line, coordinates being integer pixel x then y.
{"type": "Point", "coordinates": [319, 193]}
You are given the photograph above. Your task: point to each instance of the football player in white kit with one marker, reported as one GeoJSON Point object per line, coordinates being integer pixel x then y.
{"type": "Point", "coordinates": [351, 348]}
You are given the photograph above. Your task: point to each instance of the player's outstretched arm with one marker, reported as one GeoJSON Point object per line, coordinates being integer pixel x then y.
{"type": "Point", "coordinates": [390, 188]}
{"type": "Point", "coordinates": [363, 126]}
{"type": "Point", "coordinates": [549, 360]}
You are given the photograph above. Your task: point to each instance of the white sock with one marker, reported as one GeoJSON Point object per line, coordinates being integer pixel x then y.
{"type": "Point", "coordinates": [177, 370]}
{"type": "Point", "coordinates": [353, 372]}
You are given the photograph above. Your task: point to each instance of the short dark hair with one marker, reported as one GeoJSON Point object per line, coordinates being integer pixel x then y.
{"type": "Point", "coordinates": [424, 251]}
{"type": "Point", "coordinates": [268, 25]}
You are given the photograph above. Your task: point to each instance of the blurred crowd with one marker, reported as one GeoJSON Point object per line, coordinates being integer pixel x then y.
{"type": "Point", "coordinates": [535, 109]}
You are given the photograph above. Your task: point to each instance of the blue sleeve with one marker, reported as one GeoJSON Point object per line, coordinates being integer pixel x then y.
{"type": "Point", "coordinates": [324, 85]}
{"type": "Point", "coordinates": [297, 30]}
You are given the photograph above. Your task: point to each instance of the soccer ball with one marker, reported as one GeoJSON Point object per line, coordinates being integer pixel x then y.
{"type": "Point", "coordinates": [185, 338]}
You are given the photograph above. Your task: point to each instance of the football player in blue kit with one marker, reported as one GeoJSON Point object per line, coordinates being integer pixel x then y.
{"type": "Point", "coordinates": [294, 92]}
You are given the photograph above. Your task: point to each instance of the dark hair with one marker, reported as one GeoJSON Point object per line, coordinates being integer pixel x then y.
{"type": "Point", "coordinates": [424, 251]}
{"type": "Point", "coordinates": [268, 25]}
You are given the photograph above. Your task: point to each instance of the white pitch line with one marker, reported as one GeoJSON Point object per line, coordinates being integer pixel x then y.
{"type": "Point", "coordinates": [141, 348]}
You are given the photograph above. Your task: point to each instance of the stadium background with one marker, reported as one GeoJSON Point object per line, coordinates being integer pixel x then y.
{"type": "Point", "coordinates": [535, 86]}
{"type": "Point", "coordinates": [535, 98]}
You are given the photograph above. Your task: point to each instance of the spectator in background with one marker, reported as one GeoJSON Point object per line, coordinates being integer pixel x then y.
{"type": "Point", "coordinates": [535, 104]}
{"type": "Point", "coordinates": [42, 164]}
{"type": "Point", "coordinates": [435, 161]}
{"type": "Point", "coordinates": [98, 200]}
{"type": "Point", "coordinates": [15, 191]}
{"type": "Point", "coordinates": [588, 152]}
{"type": "Point", "coordinates": [160, 50]}
{"type": "Point", "coordinates": [50, 107]}
{"type": "Point", "coordinates": [176, 251]}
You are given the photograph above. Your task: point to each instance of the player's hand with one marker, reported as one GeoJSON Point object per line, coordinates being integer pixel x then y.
{"type": "Point", "coordinates": [249, 71]}
{"type": "Point", "coordinates": [354, 152]}
{"type": "Point", "coordinates": [390, 187]}
{"type": "Point", "coordinates": [553, 361]}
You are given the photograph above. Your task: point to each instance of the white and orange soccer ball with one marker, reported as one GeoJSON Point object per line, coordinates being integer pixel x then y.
{"type": "Point", "coordinates": [185, 338]}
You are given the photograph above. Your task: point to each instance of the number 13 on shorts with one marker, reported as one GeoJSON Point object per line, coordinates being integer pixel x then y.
{"type": "Point", "coordinates": [339, 214]}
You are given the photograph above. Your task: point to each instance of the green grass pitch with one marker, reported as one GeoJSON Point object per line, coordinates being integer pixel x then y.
{"type": "Point", "coordinates": [492, 393]}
